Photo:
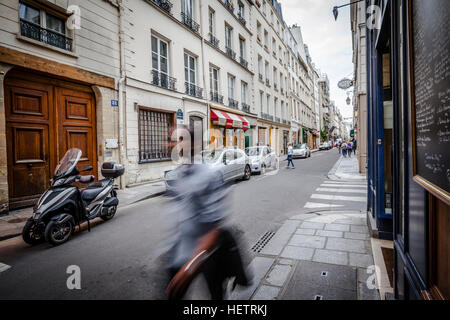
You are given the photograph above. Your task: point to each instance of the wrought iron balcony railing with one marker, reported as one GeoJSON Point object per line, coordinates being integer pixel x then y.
{"type": "Point", "coordinates": [275, 85]}
{"type": "Point", "coordinates": [277, 120]}
{"type": "Point", "coordinates": [164, 5]}
{"type": "Point", "coordinates": [163, 80]}
{"type": "Point", "coordinates": [229, 5]}
{"type": "Point", "coordinates": [36, 32]}
{"type": "Point", "coordinates": [243, 62]}
{"type": "Point", "coordinates": [193, 90]}
{"type": "Point", "coordinates": [230, 53]}
{"type": "Point", "coordinates": [233, 103]}
{"type": "Point", "coordinates": [241, 19]}
{"type": "Point", "coordinates": [215, 97]}
{"type": "Point", "coordinates": [268, 82]}
{"type": "Point", "coordinates": [282, 90]}
{"type": "Point", "coordinates": [213, 40]}
{"type": "Point", "coordinates": [245, 107]}
{"type": "Point", "coordinates": [187, 20]}
{"type": "Point", "coordinates": [261, 77]}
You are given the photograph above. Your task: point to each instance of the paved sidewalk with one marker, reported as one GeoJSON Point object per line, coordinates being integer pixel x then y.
{"type": "Point", "coordinates": [346, 169]}
{"type": "Point", "coordinates": [11, 225]}
{"type": "Point", "coordinates": [322, 252]}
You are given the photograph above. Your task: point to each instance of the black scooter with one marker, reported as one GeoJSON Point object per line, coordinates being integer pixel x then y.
{"type": "Point", "coordinates": [63, 206]}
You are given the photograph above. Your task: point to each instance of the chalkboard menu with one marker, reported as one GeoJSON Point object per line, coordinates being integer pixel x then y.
{"type": "Point", "coordinates": [431, 79]}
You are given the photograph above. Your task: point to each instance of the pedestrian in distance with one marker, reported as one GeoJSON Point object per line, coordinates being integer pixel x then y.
{"type": "Point", "coordinates": [349, 149]}
{"type": "Point", "coordinates": [290, 155]}
{"type": "Point", "coordinates": [354, 145]}
{"type": "Point", "coordinates": [344, 149]}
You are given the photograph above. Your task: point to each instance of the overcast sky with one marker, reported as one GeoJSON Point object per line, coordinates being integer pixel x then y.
{"type": "Point", "coordinates": [329, 41]}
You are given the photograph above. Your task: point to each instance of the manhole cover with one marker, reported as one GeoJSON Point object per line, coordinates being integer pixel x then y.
{"type": "Point", "coordinates": [263, 241]}
{"type": "Point", "coordinates": [17, 220]}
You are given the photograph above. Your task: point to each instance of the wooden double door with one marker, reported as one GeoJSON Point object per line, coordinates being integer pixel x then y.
{"type": "Point", "coordinates": [44, 118]}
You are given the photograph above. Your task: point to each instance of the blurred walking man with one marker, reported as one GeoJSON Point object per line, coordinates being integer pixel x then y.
{"type": "Point", "coordinates": [290, 155]}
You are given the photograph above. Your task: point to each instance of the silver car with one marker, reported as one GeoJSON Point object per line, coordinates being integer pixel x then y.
{"type": "Point", "coordinates": [261, 158]}
{"type": "Point", "coordinates": [233, 163]}
{"type": "Point", "coordinates": [301, 150]}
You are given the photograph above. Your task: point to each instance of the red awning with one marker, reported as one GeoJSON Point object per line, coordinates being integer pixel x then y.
{"type": "Point", "coordinates": [228, 120]}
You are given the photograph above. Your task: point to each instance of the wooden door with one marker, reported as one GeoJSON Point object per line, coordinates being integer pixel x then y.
{"type": "Point", "coordinates": [76, 125]}
{"type": "Point", "coordinates": [44, 118]}
{"type": "Point", "coordinates": [29, 130]}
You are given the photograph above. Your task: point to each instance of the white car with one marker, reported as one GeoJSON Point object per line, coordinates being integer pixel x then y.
{"type": "Point", "coordinates": [301, 150]}
{"type": "Point", "coordinates": [324, 146]}
{"type": "Point", "coordinates": [261, 158]}
{"type": "Point", "coordinates": [233, 163]}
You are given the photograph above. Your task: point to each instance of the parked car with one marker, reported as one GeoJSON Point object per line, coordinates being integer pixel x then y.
{"type": "Point", "coordinates": [261, 158]}
{"type": "Point", "coordinates": [232, 162]}
{"type": "Point", "coordinates": [324, 146]}
{"type": "Point", "coordinates": [301, 150]}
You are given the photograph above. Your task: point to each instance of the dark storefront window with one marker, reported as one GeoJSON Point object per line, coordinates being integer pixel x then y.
{"type": "Point", "coordinates": [154, 135]}
{"type": "Point", "coordinates": [388, 116]}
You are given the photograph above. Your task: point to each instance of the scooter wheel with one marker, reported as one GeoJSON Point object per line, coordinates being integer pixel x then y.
{"type": "Point", "coordinates": [109, 213]}
{"type": "Point", "coordinates": [57, 234]}
{"type": "Point", "coordinates": [31, 233]}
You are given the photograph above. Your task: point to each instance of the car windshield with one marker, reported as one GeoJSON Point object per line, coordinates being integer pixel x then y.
{"type": "Point", "coordinates": [69, 160]}
{"type": "Point", "coordinates": [253, 151]}
{"type": "Point", "coordinates": [211, 156]}
{"type": "Point", "coordinates": [300, 146]}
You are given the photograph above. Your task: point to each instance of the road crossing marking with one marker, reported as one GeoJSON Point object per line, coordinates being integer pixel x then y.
{"type": "Point", "coordinates": [312, 205]}
{"type": "Point", "coordinates": [4, 267]}
{"type": "Point", "coordinates": [335, 197]}
{"type": "Point", "coordinates": [345, 182]}
{"type": "Point", "coordinates": [340, 190]}
{"type": "Point", "coordinates": [343, 185]}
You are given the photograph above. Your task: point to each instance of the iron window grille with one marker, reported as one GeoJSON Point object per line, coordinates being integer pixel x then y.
{"type": "Point", "coordinates": [233, 103]}
{"type": "Point", "coordinates": [53, 38]}
{"type": "Point", "coordinates": [163, 80]}
{"type": "Point", "coordinates": [243, 62]}
{"type": "Point", "coordinates": [193, 90]}
{"type": "Point", "coordinates": [164, 5]}
{"type": "Point", "coordinates": [187, 20]}
{"type": "Point", "coordinates": [213, 40]}
{"type": "Point", "coordinates": [241, 19]}
{"type": "Point", "coordinates": [230, 53]}
{"type": "Point", "coordinates": [229, 5]}
{"type": "Point", "coordinates": [215, 97]}
{"type": "Point", "coordinates": [154, 135]}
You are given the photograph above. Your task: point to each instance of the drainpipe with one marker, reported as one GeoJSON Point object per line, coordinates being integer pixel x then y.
{"type": "Point", "coordinates": [204, 81]}
{"type": "Point", "coordinates": [122, 109]}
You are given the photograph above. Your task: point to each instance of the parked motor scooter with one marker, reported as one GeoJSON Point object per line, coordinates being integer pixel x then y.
{"type": "Point", "coordinates": [63, 206]}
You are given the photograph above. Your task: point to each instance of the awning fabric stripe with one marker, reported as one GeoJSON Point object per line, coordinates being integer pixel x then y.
{"type": "Point", "coordinates": [228, 120]}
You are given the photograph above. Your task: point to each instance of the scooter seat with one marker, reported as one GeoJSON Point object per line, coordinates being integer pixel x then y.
{"type": "Point", "coordinates": [90, 194]}
{"type": "Point", "coordinates": [99, 184]}
{"type": "Point", "coordinates": [94, 189]}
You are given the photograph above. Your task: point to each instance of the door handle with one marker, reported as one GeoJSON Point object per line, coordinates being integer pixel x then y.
{"type": "Point", "coordinates": [29, 165]}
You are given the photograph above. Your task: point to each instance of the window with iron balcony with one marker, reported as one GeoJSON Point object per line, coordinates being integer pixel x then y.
{"type": "Point", "coordinates": [39, 25]}
{"type": "Point", "coordinates": [187, 20]}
